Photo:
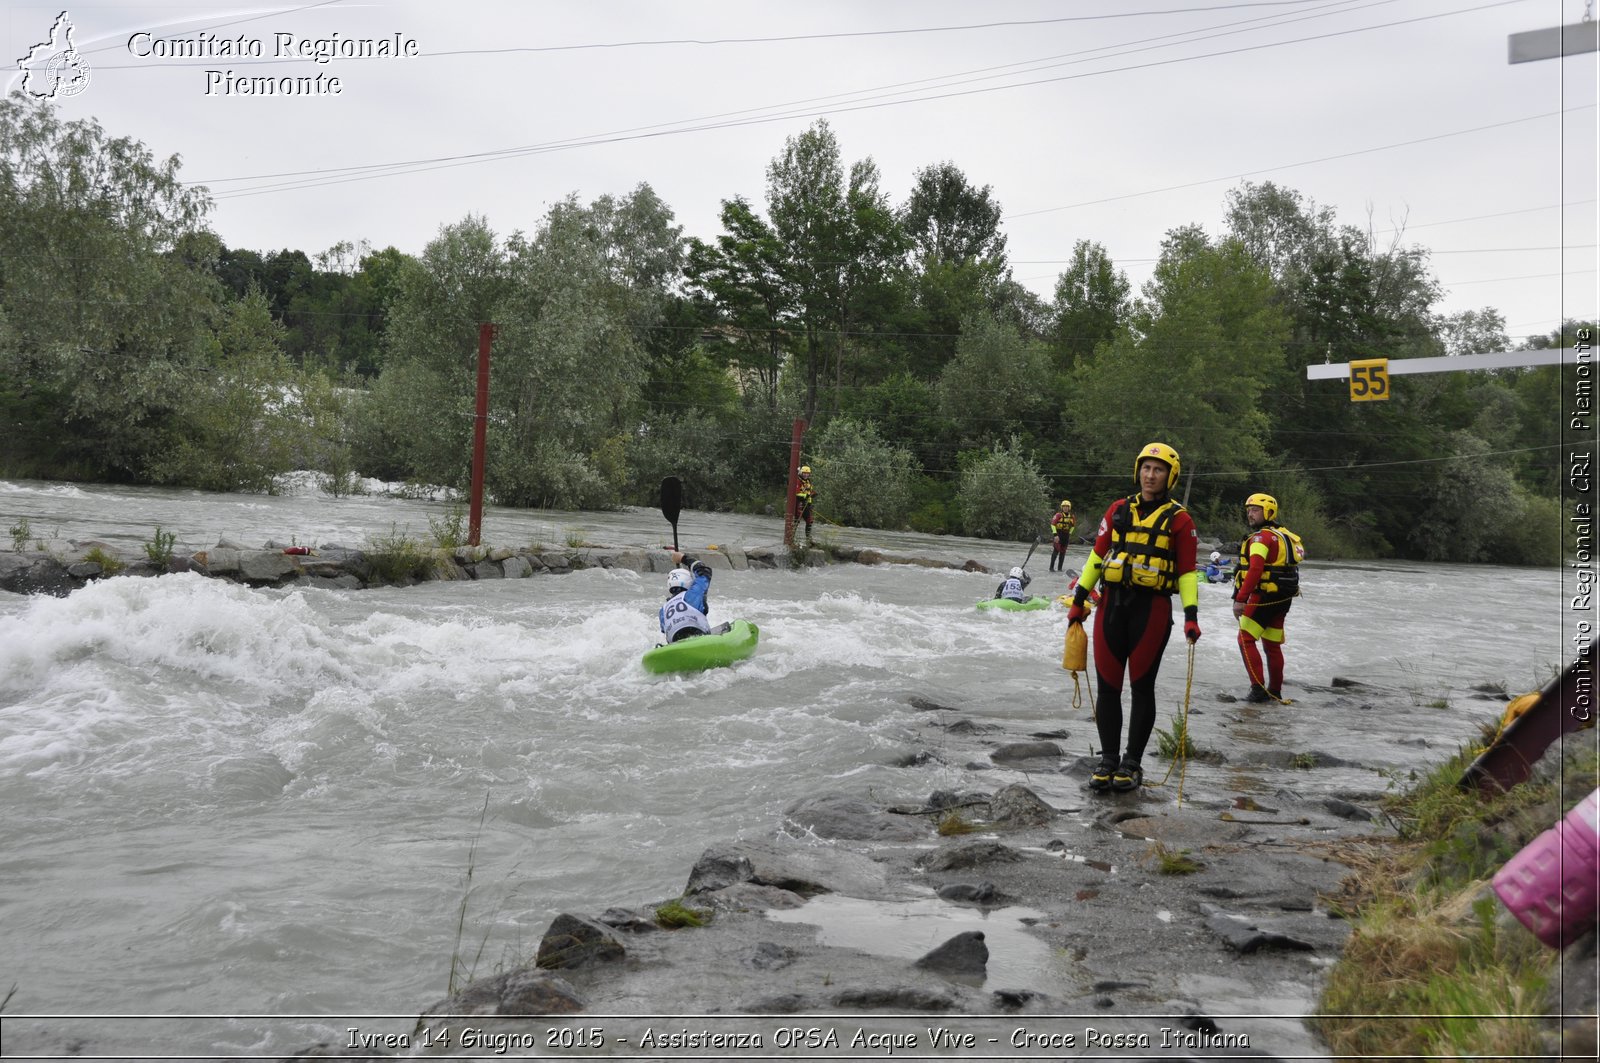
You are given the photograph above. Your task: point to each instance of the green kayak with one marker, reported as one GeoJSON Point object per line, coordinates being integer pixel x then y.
{"type": "Point", "coordinates": [1035, 602]}
{"type": "Point", "coordinates": [729, 643]}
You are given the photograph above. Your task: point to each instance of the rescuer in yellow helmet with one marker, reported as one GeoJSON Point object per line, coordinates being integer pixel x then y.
{"type": "Point", "coordinates": [1143, 553]}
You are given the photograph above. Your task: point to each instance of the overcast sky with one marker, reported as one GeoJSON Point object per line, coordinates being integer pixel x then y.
{"type": "Point", "coordinates": [1108, 120]}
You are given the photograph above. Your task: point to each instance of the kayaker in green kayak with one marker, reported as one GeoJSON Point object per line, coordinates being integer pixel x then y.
{"type": "Point", "coordinates": [1015, 585]}
{"type": "Point", "coordinates": [683, 615]}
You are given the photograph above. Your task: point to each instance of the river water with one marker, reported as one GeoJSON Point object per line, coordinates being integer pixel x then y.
{"type": "Point", "coordinates": [251, 805]}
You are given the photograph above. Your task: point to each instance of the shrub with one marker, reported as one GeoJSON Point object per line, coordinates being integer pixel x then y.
{"type": "Point", "coordinates": [860, 478]}
{"type": "Point", "coordinates": [1003, 495]}
{"type": "Point", "coordinates": [396, 557]}
{"type": "Point", "coordinates": [109, 565]}
{"type": "Point", "coordinates": [158, 548]}
{"type": "Point", "coordinates": [450, 531]}
{"type": "Point", "coordinates": [21, 532]}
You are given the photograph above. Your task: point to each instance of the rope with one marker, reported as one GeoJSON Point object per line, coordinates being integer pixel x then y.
{"type": "Point", "coordinates": [1258, 681]}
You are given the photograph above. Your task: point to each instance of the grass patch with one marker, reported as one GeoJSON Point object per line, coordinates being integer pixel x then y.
{"type": "Point", "coordinates": [109, 565]}
{"type": "Point", "coordinates": [1173, 861]}
{"type": "Point", "coordinates": [450, 530]}
{"type": "Point", "coordinates": [675, 915]}
{"type": "Point", "coordinates": [952, 823]}
{"type": "Point", "coordinates": [1175, 743]}
{"type": "Point", "coordinates": [1304, 761]}
{"type": "Point", "coordinates": [21, 532]}
{"type": "Point", "coordinates": [396, 557]}
{"type": "Point", "coordinates": [158, 548]}
{"type": "Point", "coordinates": [460, 971]}
{"type": "Point", "coordinates": [1431, 969]}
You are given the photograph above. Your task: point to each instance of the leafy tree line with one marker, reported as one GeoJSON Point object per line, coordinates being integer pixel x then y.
{"type": "Point", "coordinates": [942, 395]}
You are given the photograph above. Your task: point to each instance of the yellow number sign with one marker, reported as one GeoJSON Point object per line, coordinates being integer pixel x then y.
{"type": "Point", "coordinates": [1369, 380]}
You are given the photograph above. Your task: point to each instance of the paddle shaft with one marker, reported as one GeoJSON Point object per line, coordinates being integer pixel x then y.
{"type": "Point", "coordinates": [1031, 549]}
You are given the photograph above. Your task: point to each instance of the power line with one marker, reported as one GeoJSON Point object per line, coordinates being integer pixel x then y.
{"type": "Point", "coordinates": [552, 145]}
{"type": "Point", "coordinates": [787, 39]}
{"type": "Point", "coordinates": [478, 157]}
{"type": "Point", "coordinates": [1303, 162]}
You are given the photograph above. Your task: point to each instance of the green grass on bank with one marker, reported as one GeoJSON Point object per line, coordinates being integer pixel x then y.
{"type": "Point", "coordinates": [1434, 967]}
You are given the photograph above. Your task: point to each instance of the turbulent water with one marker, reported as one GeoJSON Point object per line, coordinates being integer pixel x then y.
{"type": "Point", "coordinates": [223, 801]}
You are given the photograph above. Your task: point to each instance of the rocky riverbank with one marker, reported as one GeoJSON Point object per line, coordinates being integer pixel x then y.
{"type": "Point", "coordinates": [61, 566]}
{"type": "Point", "coordinates": [1026, 919]}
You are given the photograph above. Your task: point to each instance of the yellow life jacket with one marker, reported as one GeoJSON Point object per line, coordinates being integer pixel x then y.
{"type": "Point", "coordinates": [1281, 581]}
{"type": "Point", "coordinates": [1142, 553]}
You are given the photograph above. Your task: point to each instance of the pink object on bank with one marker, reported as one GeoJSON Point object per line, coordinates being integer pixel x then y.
{"type": "Point", "coordinates": [1553, 884]}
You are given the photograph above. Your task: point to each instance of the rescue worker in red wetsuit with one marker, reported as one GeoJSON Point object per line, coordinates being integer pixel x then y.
{"type": "Point", "coordinates": [1062, 524]}
{"type": "Point", "coordinates": [1265, 582]}
{"type": "Point", "coordinates": [1143, 553]}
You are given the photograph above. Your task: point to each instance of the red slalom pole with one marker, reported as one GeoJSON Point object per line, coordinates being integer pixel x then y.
{"type": "Point", "coordinates": [480, 426]}
{"type": "Point", "coordinates": [794, 481]}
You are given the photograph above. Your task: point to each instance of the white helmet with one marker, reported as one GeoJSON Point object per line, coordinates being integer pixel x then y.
{"type": "Point", "coordinates": [1215, 556]}
{"type": "Point", "coordinates": [1016, 573]}
{"type": "Point", "coordinates": [678, 580]}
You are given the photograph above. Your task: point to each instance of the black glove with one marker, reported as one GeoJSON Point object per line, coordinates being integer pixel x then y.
{"type": "Point", "coordinates": [700, 568]}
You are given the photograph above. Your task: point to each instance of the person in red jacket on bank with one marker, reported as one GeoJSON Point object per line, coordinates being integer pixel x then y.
{"type": "Point", "coordinates": [1143, 553]}
{"type": "Point", "coordinates": [1265, 582]}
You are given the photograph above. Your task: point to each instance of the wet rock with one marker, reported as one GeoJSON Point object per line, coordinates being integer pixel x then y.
{"type": "Point", "coordinates": [524, 991]}
{"type": "Point", "coordinates": [263, 566]}
{"type": "Point", "coordinates": [969, 893]}
{"type": "Point", "coordinates": [914, 760]}
{"type": "Point", "coordinates": [1018, 806]}
{"type": "Point", "coordinates": [35, 574]}
{"type": "Point", "coordinates": [770, 956]}
{"type": "Point", "coordinates": [968, 855]}
{"type": "Point", "coordinates": [894, 998]}
{"type": "Point", "coordinates": [574, 941]}
{"type": "Point", "coordinates": [1346, 810]}
{"type": "Point", "coordinates": [752, 896]}
{"type": "Point", "coordinates": [1016, 999]}
{"type": "Point", "coordinates": [845, 817]}
{"type": "Point", "coordinates": [1243, 936]}
{"type": "Point", "coordinates": [787, 1004]}
{"type": "Point", "coordinates": [628, 921]}
{"type": "Point", "coordinates": [922, 704]}
{"type": "Point", "coordinates": [965, 954]}
{"type": "Point", "coordinates": [806, 870]}
{"type": "Point", "coordinates": [1016, 751]}
{"type": "Point", "coordinates": [967, 727]}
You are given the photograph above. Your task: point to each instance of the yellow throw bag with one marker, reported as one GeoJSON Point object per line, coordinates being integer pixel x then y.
{"type": "Point", "coordinates": [1075, 654]}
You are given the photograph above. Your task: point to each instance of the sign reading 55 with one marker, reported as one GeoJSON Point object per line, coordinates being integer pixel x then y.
{"type": "Point", "coordinates": [1369, 380]}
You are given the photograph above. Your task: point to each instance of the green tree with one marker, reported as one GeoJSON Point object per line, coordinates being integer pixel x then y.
{"type": "Point", "coordinates": [861, 478]}
{"type": "Point", "coordinates": [109, 314]}
{"type": "Point", "coordinates": [950, 221]}
{"type": "Point", "coordinates": [239, 423]}
{"type": "Point", "coordinates": [1091, 302]}
{"type": "Point", "coordinates": [1192, 367]}
{"type": "Point", "coordinates": [995, 380]}
{"type": "Point", "coordinates": [747, 301]}
{"type": "Point", "coordinates": [1481, 331]}
{"type": "Point", "coordinates": [1003, 495]}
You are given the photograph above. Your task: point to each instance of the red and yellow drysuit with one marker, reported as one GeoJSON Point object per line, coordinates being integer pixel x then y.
{"type": "Point", "coordinates": [1143, 553]}
{"type": "Point", "coordinates": [1265, 582]}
